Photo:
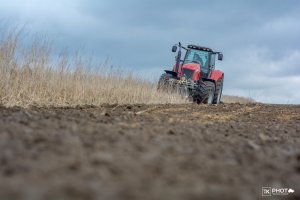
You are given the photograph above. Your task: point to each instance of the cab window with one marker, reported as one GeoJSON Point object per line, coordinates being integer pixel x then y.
{"type": "Point", "coordinates": [196, 56]}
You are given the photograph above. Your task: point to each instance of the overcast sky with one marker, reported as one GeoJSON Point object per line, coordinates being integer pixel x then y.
{"type": "Point", "coordinates": [260, 39]}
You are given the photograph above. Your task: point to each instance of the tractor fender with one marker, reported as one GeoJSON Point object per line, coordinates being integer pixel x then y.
{"type": "Point", "coordinates": [210, 80]}
{"type": "Point", "coordinates": [174, 74]}
{"type": "Point", "coordinates": [216, 75]}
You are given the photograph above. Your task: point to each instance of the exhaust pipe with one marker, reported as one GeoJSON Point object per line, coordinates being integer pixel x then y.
{"type": "Point", "coordinates": [178, 58]}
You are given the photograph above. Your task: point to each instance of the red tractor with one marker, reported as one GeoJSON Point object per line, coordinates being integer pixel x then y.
{"type": "Point", "coordinates": [195, 76]}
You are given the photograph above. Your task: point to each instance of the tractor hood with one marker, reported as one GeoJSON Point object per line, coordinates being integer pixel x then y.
{"type": "Point", "coordinates": [191, 66]}
{"type": "Point", "coordinates": [190, 71]}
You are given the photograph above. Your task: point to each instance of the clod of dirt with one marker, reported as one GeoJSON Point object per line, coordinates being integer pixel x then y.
{"type": "Point", "coordinates": [101, 158]}
{"type": "Point", "coordinates": [171, 132]}
{"type": "Point", "coordinates": [298, 158]}
{"type": "Point", "coordinates": [253, 145]}
{"type": "Point", "coordinates": [105, 113]}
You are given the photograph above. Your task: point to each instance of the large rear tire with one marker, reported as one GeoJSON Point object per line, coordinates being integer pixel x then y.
{"type": "Point", "coordinates": [205, 92]}
{"type": "Point", "coordinates": [218, 92]}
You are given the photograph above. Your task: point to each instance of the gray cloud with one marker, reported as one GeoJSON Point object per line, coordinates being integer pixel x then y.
{"type": "Point", "coordinates": [258, 38]}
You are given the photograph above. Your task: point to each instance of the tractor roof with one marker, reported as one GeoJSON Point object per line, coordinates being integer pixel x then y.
{"type": "Point", "coordinates": [191, 46]}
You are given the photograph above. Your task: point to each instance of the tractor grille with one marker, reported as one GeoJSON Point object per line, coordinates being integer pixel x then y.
{"type": "Point", "coordinates": [188, 74]}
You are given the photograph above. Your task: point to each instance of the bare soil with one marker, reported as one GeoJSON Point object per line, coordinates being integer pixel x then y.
{"type": "Point", "coordinates": [150, 152]}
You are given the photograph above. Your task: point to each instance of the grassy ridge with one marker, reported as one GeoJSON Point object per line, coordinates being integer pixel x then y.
{"type": "Point", "coordinates": [29, 77]}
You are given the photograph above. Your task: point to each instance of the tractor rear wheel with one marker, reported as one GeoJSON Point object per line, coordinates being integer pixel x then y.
{"type": "Point", "coordinates": [205, 92]}
{"type": "Point", "coordinates": [218, 92]}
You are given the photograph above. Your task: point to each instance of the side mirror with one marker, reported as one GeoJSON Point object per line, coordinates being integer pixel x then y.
{"type": "Point", "coordinates": [220, 56]}
{"type": "Point", "coordinates": [174, 48]}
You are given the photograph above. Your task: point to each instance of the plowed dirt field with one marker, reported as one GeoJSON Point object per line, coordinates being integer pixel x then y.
{"type": "Point", "coordinates": [149, 152]}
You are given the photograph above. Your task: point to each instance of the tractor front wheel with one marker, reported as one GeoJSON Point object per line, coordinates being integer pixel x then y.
{"type": "Point", "coordinates": [163, 83]}
{"type": "Point", "coordinates": [218, 92]}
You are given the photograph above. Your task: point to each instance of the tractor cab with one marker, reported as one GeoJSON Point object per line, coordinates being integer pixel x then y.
{"type": "Point", "coordinates": [198, 62]}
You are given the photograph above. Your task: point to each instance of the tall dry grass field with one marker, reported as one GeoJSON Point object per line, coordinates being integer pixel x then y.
{"type": "Point", "coordinates": [29, 77]}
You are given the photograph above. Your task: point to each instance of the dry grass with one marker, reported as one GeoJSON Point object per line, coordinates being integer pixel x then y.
{"type": "Point", "coordinates": [29, 77]}
{"type": "Point", "coordinates": [236, 99]}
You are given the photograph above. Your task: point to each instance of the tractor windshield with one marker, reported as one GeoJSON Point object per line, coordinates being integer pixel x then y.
{"type": "Point", "coordinates": [197, 56]}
